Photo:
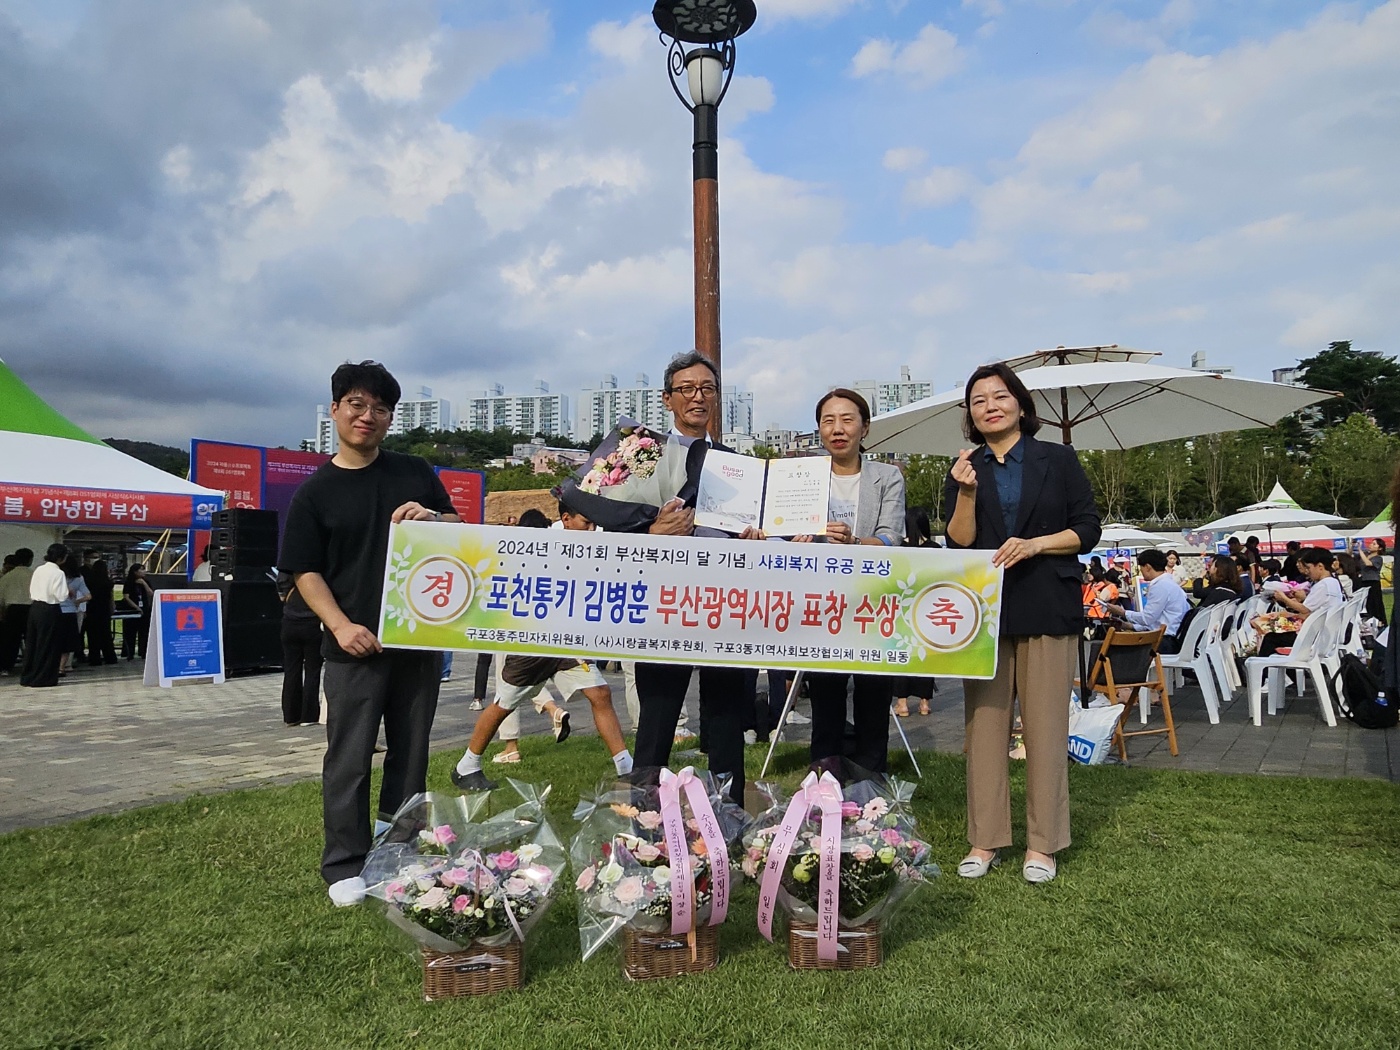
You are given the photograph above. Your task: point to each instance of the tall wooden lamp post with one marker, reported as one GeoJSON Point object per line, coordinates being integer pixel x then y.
{"type": "Point", "coordinates": [712, 25]}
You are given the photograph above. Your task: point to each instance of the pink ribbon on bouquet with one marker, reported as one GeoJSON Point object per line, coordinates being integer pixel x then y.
{"type": "Point", "coordinates": [673, 827]}
{"type": "Point", "coordinates": [824, 792]}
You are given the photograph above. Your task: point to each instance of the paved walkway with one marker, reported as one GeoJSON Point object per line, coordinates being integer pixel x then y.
{"type": "Point", "coordinates": [102, 742]}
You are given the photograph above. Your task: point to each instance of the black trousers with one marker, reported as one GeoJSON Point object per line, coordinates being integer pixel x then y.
{"type": "Point", "coordinates": [43, 645]}
{"type": "Point", "coordinates": [661, 690]}
{"type": "Point", "coordinates": [483, 672]}
{"type": "Point", "coordinates": [400, 688]}
{"type": "Point", "coordinates": [870, 713]}
{"type": "Point", "coordinates": [134, 634]}
{"type": "Point", "coordinates": [301, 671]}
{"type": "Point", "coordinates": [913, 686]}
{"type": "Point", "coordinates": [13, 628]}
{"type": "Point", "coordinates": [97, 629]}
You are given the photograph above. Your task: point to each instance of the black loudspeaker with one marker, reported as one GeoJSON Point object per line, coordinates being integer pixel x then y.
{"type": "Point", "coordinates": [241, 517]}
{"type": "Point", "coordinates": [242, 573]}
{"type": "Point", "coordinates": [244, 536]}
{"type": "Point", "coordinates": [252, 625]}
{"type": "Point", "coordinates": [242, 557]}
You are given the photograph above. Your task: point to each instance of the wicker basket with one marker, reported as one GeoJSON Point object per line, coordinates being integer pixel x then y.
{"type": "Point", "coordinates": [477, 970]}
{"type": "Point", "coordinates": [860, 947]}
{"type": "Point", "coordinates": [650, 956]}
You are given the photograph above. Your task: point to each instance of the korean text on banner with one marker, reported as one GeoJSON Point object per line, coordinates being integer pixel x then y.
{"type": "Point", "coordinates": [881, 610]}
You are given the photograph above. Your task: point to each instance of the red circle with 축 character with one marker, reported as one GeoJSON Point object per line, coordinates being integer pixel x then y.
{"type": "Point", "coordinates": [947, 616]}
{"type": "Point", "coordinates": [438, 588]}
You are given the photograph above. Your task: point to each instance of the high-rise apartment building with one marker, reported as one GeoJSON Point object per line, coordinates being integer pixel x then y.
{"type": "Point", "coordinates": [423, 412]}
{"type": "Point", "coordinates": [738, 411]}
{"type": "Point", "coordinates": [537, 413]}
{"type": "Point", "coordinates": [886, 396]}
{"type": "Point", "coordinates": [600, 409]}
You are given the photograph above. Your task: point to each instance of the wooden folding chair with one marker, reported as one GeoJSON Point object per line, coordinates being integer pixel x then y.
{"type": "Point", "coordinates": [1101, 680]}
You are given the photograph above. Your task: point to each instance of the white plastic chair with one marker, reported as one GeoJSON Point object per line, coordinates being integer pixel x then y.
{"type": "Point", "coordinates": [1304, 656]}
{"type": "Point", "coordinates": [1229, 644]}
{"type": "Point", "coordinates": [1194, 656]}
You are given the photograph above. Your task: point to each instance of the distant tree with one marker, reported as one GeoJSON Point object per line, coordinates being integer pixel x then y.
{"type": "Point", "coordinates": [923, 484]}
{"type": "Point", "coordinates": [163, 457]}
{"type": "Point", "coordinates": [766, 452]}
{"type": "Point", "coordinates": [1368, 382]}
{"type": "Point", "coordinates": [1108, 473]}
{"type": "Point", "coordinates": [1351, 464]}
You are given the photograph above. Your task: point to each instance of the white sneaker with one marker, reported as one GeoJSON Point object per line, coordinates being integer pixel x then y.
{"type": "Point", "coordinates": [796, 718]}
{"type": "Point", "coordinates": [682, 733]}
{"type": "Point", "coordinates": [347, 892]}
{"type": "Point", "coordinates": [750, 737]}
{"type": "Point", "coordinates": [475, 705]}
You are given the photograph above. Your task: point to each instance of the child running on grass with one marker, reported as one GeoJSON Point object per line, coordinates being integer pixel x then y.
{"type": "Point", "coordinates": [523, 677]}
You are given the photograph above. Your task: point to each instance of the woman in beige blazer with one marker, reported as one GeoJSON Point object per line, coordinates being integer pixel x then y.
{"type": "Point", "coordinates": [866, 507]}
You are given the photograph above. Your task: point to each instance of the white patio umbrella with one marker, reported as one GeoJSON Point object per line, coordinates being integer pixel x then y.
{"type": "Point", "coordinates": [1118, 535]}
{"type": "Point", "coordinates": [1105, 405]}
{"type": "Point", "coordinates": [1269, 518]}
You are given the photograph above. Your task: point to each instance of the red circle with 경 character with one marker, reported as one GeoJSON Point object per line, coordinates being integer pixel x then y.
{"type": "Point", "coordinates": [438, 589]}
{"type": "Point", "coordinates": [947, 616]}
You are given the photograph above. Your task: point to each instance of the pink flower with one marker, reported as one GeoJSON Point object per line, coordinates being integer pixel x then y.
{"type": "Point", "coordinates": [455, 876]}
{"type": "Point", "coordinates": [862, 852]}
{"type": "Point", "coordinates": [850, 810]}
{"type": "Point", "coordinates": [461, 904]}
{"type": "Point", "coordinates": [864, 827]}
{"type": "Point", "coordinates": [434, 898]}
{"type": "Point", "coordinates": [585, 880]}
{"type": "Point", "coordinates": [876, 808]}
{"type": "Point", "coordinates": [649, 819]}
{"type": "Point", "coordinates": [629, 890]}
{"type": "Point", "coordinates": [750, 867]}
{"type": "Point", "coordinates": [506, 861]}
{"type": "Point", "coordinates": [395, 891]}
{"type": "Point", "coordinates": [516, 886]}
{"type": "Point", "coordinates": [443, 835]}
{"type": "Point", "coordinates": [646, 853]}
{"type": "Point", "coordinates": [891, 837]}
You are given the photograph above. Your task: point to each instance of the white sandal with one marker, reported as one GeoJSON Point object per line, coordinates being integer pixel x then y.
{"type": "Point", "coordinates": [1037, 871]}
{"type": "Point", "coordinates": [972, 867]}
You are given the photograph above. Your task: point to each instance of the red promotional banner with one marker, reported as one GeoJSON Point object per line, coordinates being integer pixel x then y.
{"type": "Point", "coordinates": [237, 469]}
{"type": "Point", "coordinates": [55, 505]}
{"type": "Point", "coordinates": [467, 491]}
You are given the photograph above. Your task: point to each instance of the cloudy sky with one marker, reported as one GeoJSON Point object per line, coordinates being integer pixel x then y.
{"type": "Point", "coordinates": [205, 205]}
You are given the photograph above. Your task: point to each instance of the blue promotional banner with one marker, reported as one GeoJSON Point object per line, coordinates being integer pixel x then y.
{"type": "Point", "coordinates": [187, 638]}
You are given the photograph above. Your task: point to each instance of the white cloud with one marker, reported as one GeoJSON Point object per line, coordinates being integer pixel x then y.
{"type": "Point", "coordinates": [938, 187]}
{"type": "Point", "coordinates": [630, 44]}
{"type": "Point", "coordinates": [1116, 29]}
{"type": "Point", "coordinates": [930, 57]}
{"type": "Point", "coordinates": [401, 78]}
{"type": "Point", "coordinates": [797, 10]}
{"type": "Point", "coordinates": [904, 158]}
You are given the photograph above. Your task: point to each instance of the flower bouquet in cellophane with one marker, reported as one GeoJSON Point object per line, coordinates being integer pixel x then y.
{"type": "Point", "coordinates": [466, 887]}
{"type": "Point", "coordinates": [653, 867]}
{"type": "Point", "coordinates": [838, 862]}
{"type": "Point", "coordinates": [631, 475]}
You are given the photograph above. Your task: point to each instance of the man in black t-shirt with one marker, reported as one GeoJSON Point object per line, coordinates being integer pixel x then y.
{"type": "Point", "coordinates": [335, 546]}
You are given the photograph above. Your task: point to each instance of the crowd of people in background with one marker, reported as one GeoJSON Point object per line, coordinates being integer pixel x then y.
{"type": "Point", "coordinates": [58, 616]}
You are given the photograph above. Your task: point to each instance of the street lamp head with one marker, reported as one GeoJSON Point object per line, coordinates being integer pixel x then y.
{"type": "Point", "coordinates": [704, 70]}
{"type": "Point", "coordinates": [703, 21]}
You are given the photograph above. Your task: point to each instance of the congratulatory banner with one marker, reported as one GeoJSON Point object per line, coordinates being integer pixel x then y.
{"type": "Point", "coordinates": [820, 607]}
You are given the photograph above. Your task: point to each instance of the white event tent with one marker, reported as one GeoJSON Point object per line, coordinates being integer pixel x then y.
{"type": "Point", "coordinates": [54, 476]}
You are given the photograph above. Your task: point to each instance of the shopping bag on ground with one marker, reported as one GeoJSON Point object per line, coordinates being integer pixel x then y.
{"type": "Point", "coordinates": [1091, 732]}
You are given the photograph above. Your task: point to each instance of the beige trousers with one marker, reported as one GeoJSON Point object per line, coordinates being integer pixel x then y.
{"type": "Point", "coordinates": [1039, 672]}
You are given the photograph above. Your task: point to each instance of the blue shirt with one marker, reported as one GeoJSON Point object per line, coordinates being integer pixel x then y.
{"type": "Point", "coordinates": [1166, 606]}
{"type": "Point", "coordinates": [1008, 477]}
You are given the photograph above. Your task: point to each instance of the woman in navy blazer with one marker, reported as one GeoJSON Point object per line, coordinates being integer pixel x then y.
{"type": "Point", "coordinates": [1031, 502]}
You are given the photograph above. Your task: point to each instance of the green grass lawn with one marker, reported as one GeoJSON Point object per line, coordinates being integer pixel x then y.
{"type": "Point", "coordinates": [1192, 910]}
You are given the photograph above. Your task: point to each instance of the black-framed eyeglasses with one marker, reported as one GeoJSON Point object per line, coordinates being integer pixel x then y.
{"type": "Point", "coordinates": [690, 391]}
